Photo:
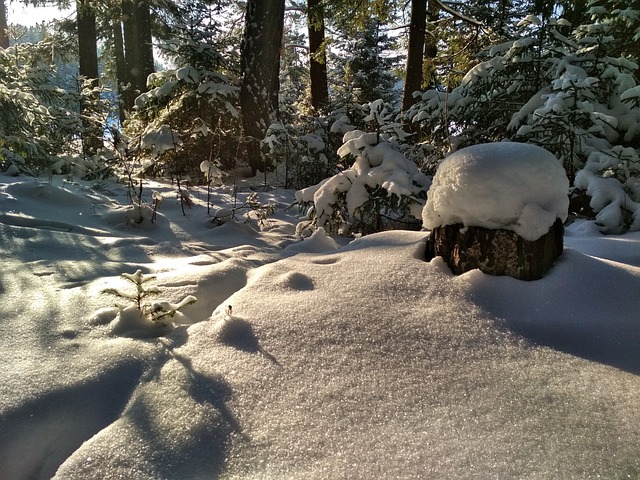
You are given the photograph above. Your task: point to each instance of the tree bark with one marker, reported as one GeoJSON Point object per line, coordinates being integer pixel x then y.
{"type": "Point", "coordinates": [260, 63]}
{"type": "Point", "coordinates": [413, 74]}
{"type": "Point", "coordinates": [4, 27]}
{"type": "Point", "coordinates": [430, 46]}
{"type": "Point", "coordinates": [124, 102]}
{"type": "Point", "coordinates": [317, 58]}
{"type": "Point", "coordinates": [496, 252]}
{"type": "Point", "coordinates": [130, 36]}
{"type": "Point", "coordinates": [145, 42]}
{"type": "Point", "coordinates": [88, 69]}
{"type": "Point", "coordinates": [138, 47]}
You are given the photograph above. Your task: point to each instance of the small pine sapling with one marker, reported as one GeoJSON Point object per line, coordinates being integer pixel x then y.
{"type": "Point", "coordinates": [156, 311]}
{"type": "Point", "coordinates": [139, 279]}
{"type": "Point", "coordinates": [252, 205]}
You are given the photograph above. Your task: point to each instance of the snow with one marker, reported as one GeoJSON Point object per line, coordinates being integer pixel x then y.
{"type": "Point", "coordinates": [304, 359]}
{"type": "Point", "coordinates": [504, 185]}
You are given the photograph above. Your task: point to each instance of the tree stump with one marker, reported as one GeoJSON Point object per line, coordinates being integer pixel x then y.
{"type": "Point", "coordinates": [496, 252]}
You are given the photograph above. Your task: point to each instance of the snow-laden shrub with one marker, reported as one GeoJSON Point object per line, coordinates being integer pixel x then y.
{"type": "Point", "coordinates": [382, 189]}
{"type": "Point", "coordinates": [612, 180]}
{"type": "Point", "coordinates": [198, 107]}
{"type": "Point", "coordinates": [40, 120]}
{"type": "Point", "coordinates": [572, 92]}
{"type": "Point", "coordinates": [303, 148]}
{"type": "Point", "coordinates": [298, 152]}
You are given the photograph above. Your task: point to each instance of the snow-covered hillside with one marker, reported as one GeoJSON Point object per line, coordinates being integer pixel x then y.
{"type": "Point", "coordinates": [303, 359]}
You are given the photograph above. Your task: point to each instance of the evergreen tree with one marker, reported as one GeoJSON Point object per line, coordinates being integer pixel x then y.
{"type": "Point", "coordinates": [369, 64]}
{"type": "Point", "coordinates": [573, 92]}
{"type": "Point", "coordinates": [88, 70]}
{"type": "Point", "coordinates": [195, 102]}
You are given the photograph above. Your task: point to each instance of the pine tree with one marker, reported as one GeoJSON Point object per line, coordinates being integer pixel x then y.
{"type": "Point", "coordinates": [368, 72]}
{"type": "Point", "coordinates": [318, 82]}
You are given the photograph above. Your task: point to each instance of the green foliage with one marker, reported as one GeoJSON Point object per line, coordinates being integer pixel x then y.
{"type": "Point", "coordinates": [40, 124]}
{"type": "Point", "coordinates": [299, 152]}
{"type": "Point", "coordinates": [545, 88]}
{"type": "Point", "coordinates": [366, 64]}
{"type": "Point", "coordinates": [138, 279]}
{"type": "Point", "coordinates": [198, 108]}
{"type": "Point", "coordinates": [36, 116]}
{"type": "Point", "coordinates": [381, 190]}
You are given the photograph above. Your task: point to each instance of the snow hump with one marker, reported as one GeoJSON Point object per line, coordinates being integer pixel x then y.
{"type": "Point", "coordinates": [513, 186]}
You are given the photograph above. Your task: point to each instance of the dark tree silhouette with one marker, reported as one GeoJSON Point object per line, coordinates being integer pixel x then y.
{"type": "Point", "coordinates": [260, 64]}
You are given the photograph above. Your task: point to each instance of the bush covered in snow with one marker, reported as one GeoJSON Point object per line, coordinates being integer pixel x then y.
{"type": "Point", "coordinates": [573, 92]}
{"type": "Point", "coordinates": [40, 122]}
{"type": "Point", "coordinates": [189, 113]}
{"type": "Point", "coordinates": [382, 188]}
{"type": "Point", "coordinates": [299, 152]}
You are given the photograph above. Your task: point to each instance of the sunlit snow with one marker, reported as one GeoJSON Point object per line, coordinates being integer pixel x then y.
{"type": "Point", "coordinates": [315, 359]}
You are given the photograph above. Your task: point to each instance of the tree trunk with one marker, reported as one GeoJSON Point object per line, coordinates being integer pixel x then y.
{"type": "Point", "coordinates": [124, 102]}
{"type": "Point", "coordinates": [496, 252]}
{"type": "Point", "coordinates": [88, 69]}
{"type": "Point", "coordinates": [4, 28]}
{"type": "Point", "coordinates": [317, 57]}
{"type": "Point", "coordinates": [130, 35]}
{"type": "Point", "coordinates": [430, 46]}
{"type": "Point", "coordinates": [413, 74]}
{"type": "Point", "coordinates": [260, 63]}
{"type": "Point", "coordinates": [145, 42]}
{"type": "Point", "coordinates": [138, 47]}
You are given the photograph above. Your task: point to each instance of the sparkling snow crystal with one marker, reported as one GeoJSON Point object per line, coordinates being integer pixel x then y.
{"type": "Point", "coordinates": [513, 186]}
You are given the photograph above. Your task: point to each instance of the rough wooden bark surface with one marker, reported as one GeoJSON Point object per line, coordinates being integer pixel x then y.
{"type": "Point", "coordinates": [497, 252]}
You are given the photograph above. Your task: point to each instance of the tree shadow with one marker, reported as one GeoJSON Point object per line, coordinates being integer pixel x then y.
{"type": "Point", "coordinates": [38, 436]}
{"type": "Point", "coordinates": [593, 317]}
{"type": "Point", "coordinates": [202, 452]}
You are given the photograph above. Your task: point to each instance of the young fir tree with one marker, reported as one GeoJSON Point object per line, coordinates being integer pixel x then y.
{"type": "Point", "coordinates": [197, 100]}
{"type": "Point", "coordinates": [368, 65]}
{"type": "Point", "coordinates": [39, 99]}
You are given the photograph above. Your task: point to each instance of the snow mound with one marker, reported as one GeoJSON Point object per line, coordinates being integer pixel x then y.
{"type": "Point", "coordinates": [512, 186]}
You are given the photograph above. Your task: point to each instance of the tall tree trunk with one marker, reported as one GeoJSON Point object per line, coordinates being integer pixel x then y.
{"type": "Point", "coordinates": [88, 69]}
{"type": "Point", "coordinates": [130, 35]}
{"type": "Point", "coordinates": [317, 57]}
{"type": "Point", "coordinates": [260, 63]}
{"type": "Point", "coordinates": [413, 75]}
{"type": "Point", "coordinates": [4, 30]}
{"type": "Point", "coordinates": [121, 70]}
{"type": "Point", "coordinates": [430, 46]}
{"type": "Point", "coordinates": [145, 42]}
{"type": "Point", "coordinates": [138, 47]}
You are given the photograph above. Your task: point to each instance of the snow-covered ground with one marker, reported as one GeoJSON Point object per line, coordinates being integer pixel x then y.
{"type": "Point", "coordinates": [303, 359]}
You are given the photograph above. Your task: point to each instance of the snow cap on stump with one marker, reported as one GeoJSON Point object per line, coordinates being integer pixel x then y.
{"type": "Point", "coordinates": [506, 185]}
{"type": "Point", "coordinates": [499, 208]}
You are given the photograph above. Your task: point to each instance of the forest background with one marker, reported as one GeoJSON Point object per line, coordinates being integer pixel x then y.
{"type": "Point", "coordinates": [196, 90]}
